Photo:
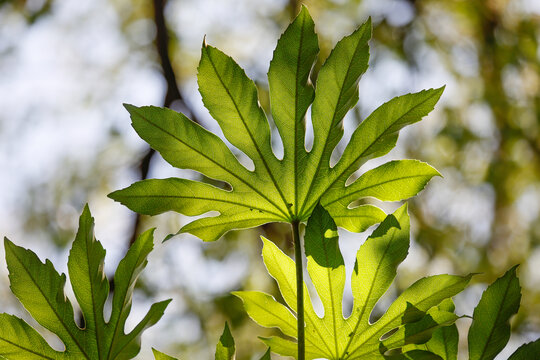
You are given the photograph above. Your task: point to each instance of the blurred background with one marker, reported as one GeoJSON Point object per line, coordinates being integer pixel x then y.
{"type": "Point", "coordinates": [66, 67]}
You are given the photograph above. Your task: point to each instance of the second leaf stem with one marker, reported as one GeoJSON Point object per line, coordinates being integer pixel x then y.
{"type": "Point", "coordinates": [299, 290]}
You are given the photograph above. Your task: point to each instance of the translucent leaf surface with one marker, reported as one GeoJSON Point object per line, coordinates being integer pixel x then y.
{"type": "Point", "coordinates": [158, 355]}
{"type": "Point", "coordinates": [444, 341]}
{"type": "Point", "coordinates": [287, 189]}
{"type": "Point", "coordinates": [40, 288]}
{"type": "Point", "coordinates": [490, 329]}
{"type": "Point", "coordinates": [413, 316]}
{"type": "Point", "coordinates": [225, 349]}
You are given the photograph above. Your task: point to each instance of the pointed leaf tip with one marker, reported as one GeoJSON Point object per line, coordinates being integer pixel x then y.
{"type": "Point", "coordinates": [303, 11]}
{"type": "Point", "coordinates": [86, 209]}
{"type": "Point", "coordinates": [130, 108]}
{"type": "Point", "coordinates": [158, 355]}
{"type": "Point", "coordinates": [266, 355]}
{"type": "Point", "coordinates": [225, 349]}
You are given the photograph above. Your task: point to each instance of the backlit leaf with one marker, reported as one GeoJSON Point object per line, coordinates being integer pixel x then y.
{"type": "Point", "coordinates": [490, 328]}
{"type": "Point", "coordinates": [158, 355]}
{"type": "Point", "coordinates": [412, 317]}
{"type": "Point", "coordinates": [40, 288]}
{"type": "Point", "coordinates": [287, 189]}
{"type": "Point", "coordinates": [225, 349]}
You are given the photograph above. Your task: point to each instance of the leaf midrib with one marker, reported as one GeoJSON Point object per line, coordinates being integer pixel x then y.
{"type": "Point", "coordinates": [192, 228]}
{"type": "Point", "coordinates": [372, 186]}
{"type": "Point", "coordinates": [27, 349]}
{"type": "Point", "coordinates": [307, 315]}
{"type": "Point", "coordinates": [331, 289]}
{"type": "Point", "coordinates": [98, 328]}
{"type": "Point", "coordinates": [296, 98]}
{"type": "Point", "coordinates": [375, 331]}
{"type": "Point", "coordinates": [202, 198]}
{"type": "Point", "coordinates": [51, 306]}
{"type": "Point", "coordinates": [360, 317]}
{"type": "Point", "coordinates": [124, 297]}
{"type": "Point", "coordinates": [319, 163]}
{"type": "Point", "coordinates": [217, 164]}
{"type": "Point", "coordinates": [263, 159]}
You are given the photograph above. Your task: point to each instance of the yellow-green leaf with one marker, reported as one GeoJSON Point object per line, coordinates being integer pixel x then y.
{"type": "Point", "coordinates": [412, 317]}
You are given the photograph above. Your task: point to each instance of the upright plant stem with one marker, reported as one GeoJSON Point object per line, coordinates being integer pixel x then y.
{"type": "Point", "coordinates": [299, 290]}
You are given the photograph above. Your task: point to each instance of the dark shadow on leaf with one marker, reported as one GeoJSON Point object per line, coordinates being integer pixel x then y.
{"type": "Point", "coordinates": [321, 239]}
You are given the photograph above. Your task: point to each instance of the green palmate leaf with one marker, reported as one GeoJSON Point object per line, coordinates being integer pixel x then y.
{"type": "Point", "coordinates": [285, 189]}
{"type": "Point", "coordinates": [40, 288]}
{"type": "Point", "coordinates": [413, 316]}
{"type": "Point", "coordinates": [225, 349]}
{"type": "Point", "coordinates": [490, 328]}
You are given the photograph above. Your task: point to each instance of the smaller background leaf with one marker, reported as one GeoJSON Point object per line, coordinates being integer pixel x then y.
{"type": "Point", "coordinates": [527, 351]}
{"type": "Point", "coordinates": [225, 349]}
{"type": "Point", "coordinates": [490, 328]}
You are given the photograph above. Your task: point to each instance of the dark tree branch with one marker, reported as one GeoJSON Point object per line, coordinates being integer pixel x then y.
{"type": "Point", "coordinates": [173, 94]}
{"type": "Point", "coordinates": [162, 46]}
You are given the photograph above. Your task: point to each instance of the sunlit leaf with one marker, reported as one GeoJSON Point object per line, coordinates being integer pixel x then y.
{"type": "Point", "coordinates": [225, 349]}
{"type": "Point", "coordinates": [413, 316]}
{"type": "Point", "coordinates": [287, 189]}
{"type": "Point", "coordinates": [40, 288]}
{"type": "Point", "coordinates": [158, 355]}
{"type": "Point", "coordinates": [490, 328]}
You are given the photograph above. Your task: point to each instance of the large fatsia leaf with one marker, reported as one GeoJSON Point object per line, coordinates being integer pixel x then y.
{"type": "Point", "coordinates": [225, 349]}
{"type": "Point", "coordinates": [280, 189]}
{"type": "Point", "coordinates": [411, 318]}
{"type": "Point", "coordinates": [40, 288]}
